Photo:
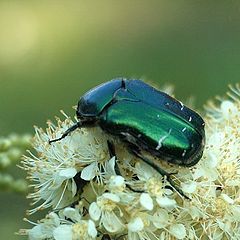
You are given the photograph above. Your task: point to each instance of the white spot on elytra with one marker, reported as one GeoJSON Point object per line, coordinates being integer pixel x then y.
{"type": "Point", "coordinates": [139, 135]}
{"type": "Point", "coordinates": [162, 139]}
{"type": "Point", "coordinates": [182, 106]}
{"type": "Point", "coordinates": [184, 152]}
{"type": "Point", "coordinates": [190, 119]}
{"type": "Point", "coordinates": [184, 129]}
{"type": "Point", "coordinates": [158, 116]}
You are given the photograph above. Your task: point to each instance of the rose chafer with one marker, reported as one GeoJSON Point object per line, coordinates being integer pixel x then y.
{"type": "Point", "coordinates": [147, 120]}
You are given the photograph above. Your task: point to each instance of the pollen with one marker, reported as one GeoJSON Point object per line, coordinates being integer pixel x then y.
{"type": "Point", "coordinates": [106, 204]}
{"type": "Point", "coordinates": [154, 187]}
{"type": "Point", "coordinates": [219, 208]}
{"type": "Point", "coordinates": [79, 230]}
{"type": "Point", "coordinates": [228, 170]}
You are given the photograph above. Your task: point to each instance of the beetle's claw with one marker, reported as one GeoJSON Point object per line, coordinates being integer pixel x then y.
{"type": "Point", "coordinates": [54, 140]}
{"type": "Point", "coordinates": [179, 190]}
{"type": "Point", "coordinates": [173, 173]}
{"type": "Point", "coordinates": [134, 190]}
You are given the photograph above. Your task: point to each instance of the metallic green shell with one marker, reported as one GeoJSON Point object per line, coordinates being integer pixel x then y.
{"type": "Point", "coordinates": [157, 123]}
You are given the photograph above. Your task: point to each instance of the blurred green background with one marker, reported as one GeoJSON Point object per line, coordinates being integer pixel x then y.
{"type": "Point", "coordinates": [51, 52]}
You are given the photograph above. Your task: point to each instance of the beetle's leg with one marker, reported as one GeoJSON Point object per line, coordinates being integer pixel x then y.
{"type": "Point", "coordinates": [160, 170]}
{"type": "Point", "coordinates": [69, 130]}
{"type": "Point", "coordinates": [112, 153]}
{"type": "Point", "coordinates": [80, 183]}
{"type": "Point", "coordinates": [111, 149]}
{"type": "Point", "coordinates": [170, 174]}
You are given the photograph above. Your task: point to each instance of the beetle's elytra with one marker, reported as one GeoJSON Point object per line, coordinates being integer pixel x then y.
{"type": "Point", "coordinates": [144, 118]}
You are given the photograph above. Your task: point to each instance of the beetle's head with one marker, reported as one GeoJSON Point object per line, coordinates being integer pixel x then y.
{"type": "Point", "coordinates": [86, 112]}
{"type": "Point", "coordinates": [87, 107]}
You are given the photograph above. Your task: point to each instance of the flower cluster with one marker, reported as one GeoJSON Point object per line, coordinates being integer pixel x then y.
{"type": "Point", "coordinates": [11, 150]}
{"type": "Point", "coordinates": [93, 195]}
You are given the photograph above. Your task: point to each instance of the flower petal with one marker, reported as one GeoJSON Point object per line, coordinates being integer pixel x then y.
{"type": "Point", "coordinates": [36, 233]}
{"type": "Point", "coordinates": [178, 231]}
{"type": "Point", "coordinates": [68, 173]}
{"type": "Point", "coordinates": [72, 213]}
{"type": "Point", "coordinates": [92, 229]}
{"type": "Point", "coordinates": [111, 196]}
{"type": "Point", "coordinates": [189, 187]}
{"type": "Point", "coordinates": [89, 172]}
{"type": "Point", "coordinates": [63, 232]}
{"type": "Point", "coordinates": [166, 202]}
{"type": "Point", "coordinates": [135, 225]}
{"type": "Point", "coordinates": [110, 166]}
{"type": "Point", "coordinates": [146, 201]}
{"type": "Point", "coordinates": [160, 218]}
{"type": "Point", "coordinates": [94, 211]}
{"type": "Point", "coordinates": [111, 222]}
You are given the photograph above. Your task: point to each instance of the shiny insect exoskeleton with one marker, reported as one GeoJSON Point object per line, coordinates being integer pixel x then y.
{"type": "Point", "coordinates": [146, 119]}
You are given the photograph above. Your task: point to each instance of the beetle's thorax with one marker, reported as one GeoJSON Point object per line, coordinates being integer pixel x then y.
{"type": "Point", "coordinates": [93, 102]}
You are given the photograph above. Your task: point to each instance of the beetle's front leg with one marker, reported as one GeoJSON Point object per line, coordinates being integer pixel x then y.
{"type": "Point", "coordinates": [68, 131]}
{"type": "Point", "coordinates": [76, 125]}
{"type": "Point", "coordinates": [137, 153]}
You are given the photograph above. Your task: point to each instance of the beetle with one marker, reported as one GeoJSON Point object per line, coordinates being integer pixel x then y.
{"type": "Point", "coordinates": [146, 119]}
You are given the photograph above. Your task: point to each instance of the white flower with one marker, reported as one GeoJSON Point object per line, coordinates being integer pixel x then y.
{"type": "Point", "coordinates": [78, 228]}
{"type": "Point", "coordinates": [140, 227]}
{"type": "Point", "coordinates": [44, 230]}
{"type": "Point", "coordinates": [154, 188]}
{"type": "Point", "coordinates": [207, 167]}
{"type": "Point", "coordinates": [68, 225]}
{"type": "Point", "coordinates": [116, 184]}
{"type": "Point", "coordinates": [138, 203]}
{"type": "Point", "coordinates": [105, 210]}
{"type": "Point", "coordinates": [54, 167]}
{"type": "Point", "coordinates": [162, 220]}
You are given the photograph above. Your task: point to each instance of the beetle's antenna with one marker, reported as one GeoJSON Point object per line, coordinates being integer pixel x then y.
{"type": "Point", "coordinates": [69, 130]}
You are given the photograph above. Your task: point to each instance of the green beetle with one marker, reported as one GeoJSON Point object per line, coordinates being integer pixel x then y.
{"type": "Point", "coordinates": [146, 119]}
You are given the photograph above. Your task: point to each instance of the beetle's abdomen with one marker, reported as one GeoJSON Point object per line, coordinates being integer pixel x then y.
{"type": "Point", "coordinates": [155, 130]}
